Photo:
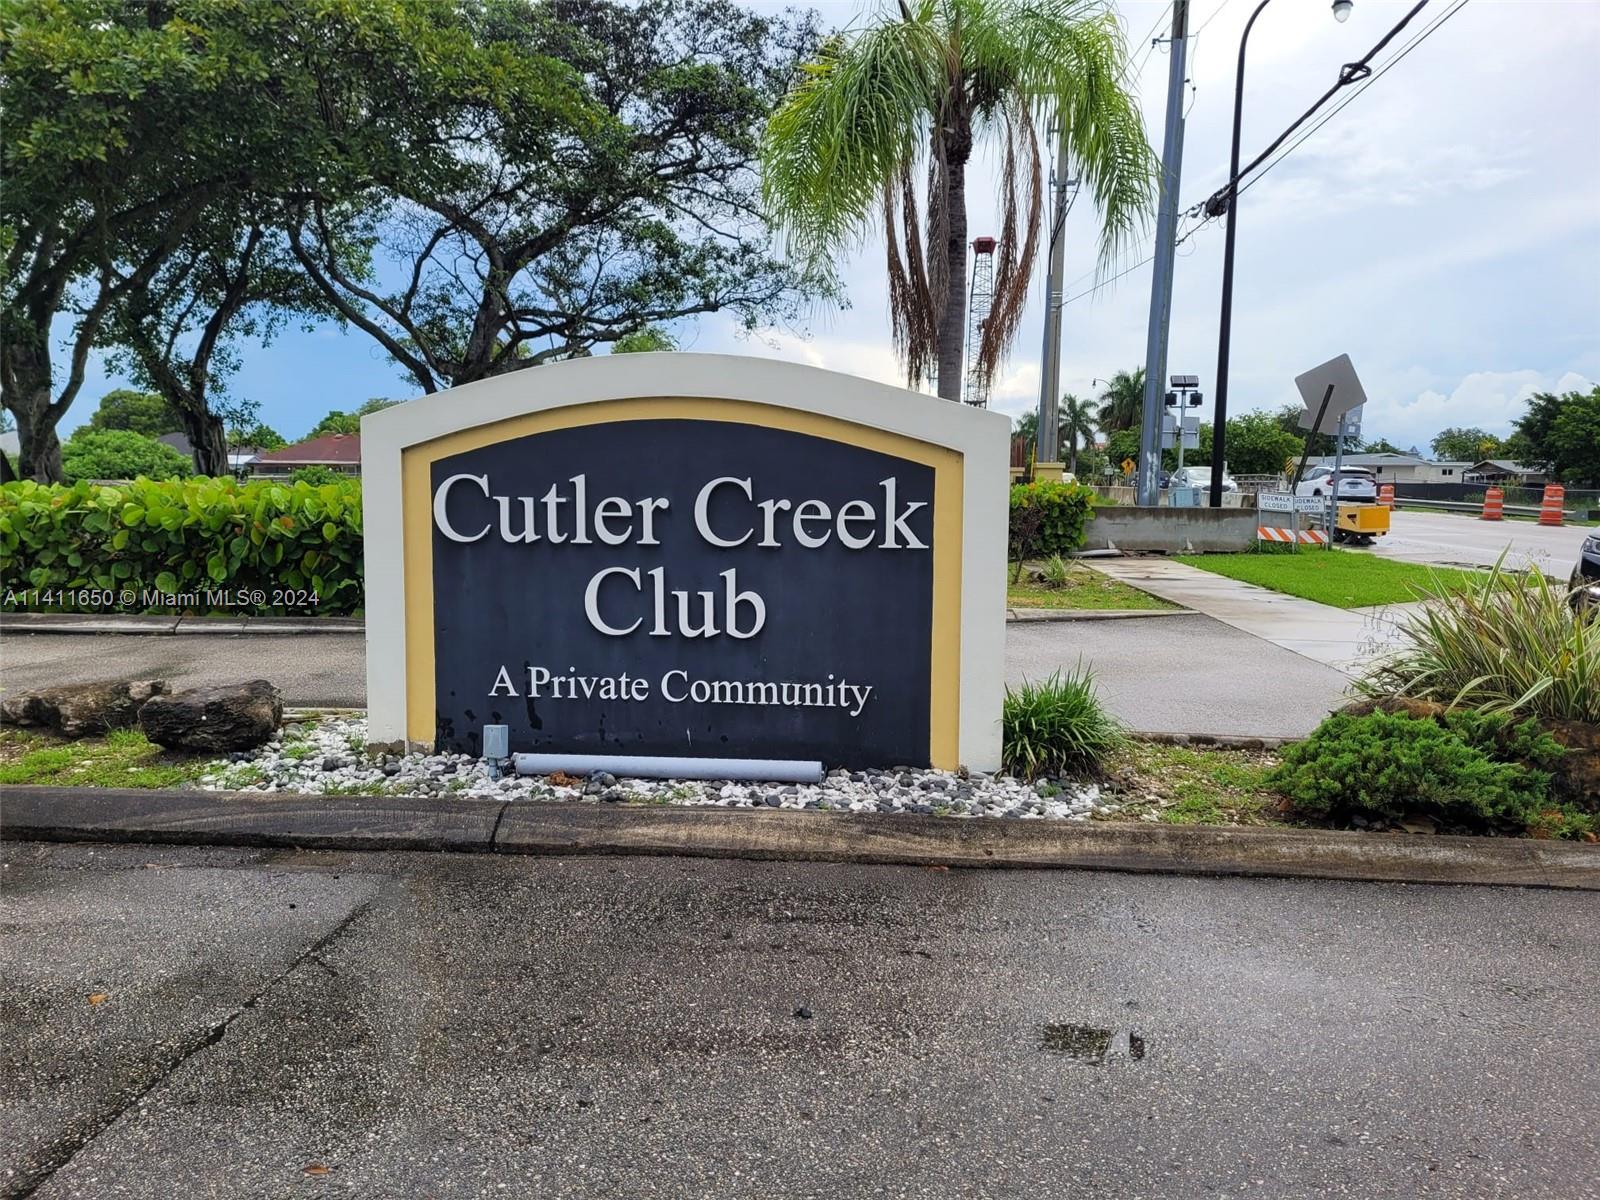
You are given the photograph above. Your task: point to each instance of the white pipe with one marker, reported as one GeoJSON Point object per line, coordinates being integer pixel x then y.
{"type": "Point", "coordinates": [766, 770]}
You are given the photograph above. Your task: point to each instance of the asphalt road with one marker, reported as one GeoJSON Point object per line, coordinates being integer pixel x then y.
{"type": "Point", "coordinates": [1181, 674]}
{"type": "Point", "coordinates": [1459, 540]}
{"type": "Point", "coordinates": [310, 1024]}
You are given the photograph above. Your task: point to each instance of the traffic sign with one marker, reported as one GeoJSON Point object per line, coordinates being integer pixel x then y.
{"type": "Point", "coordinates": [1275, 502]}
{"type": "Point", "coordinates": [1347, 394]}
{"type": "Point", "coordinates": [1128, 465]}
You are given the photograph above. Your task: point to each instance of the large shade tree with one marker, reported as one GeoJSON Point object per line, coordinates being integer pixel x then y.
{"type": "Point", "coordinates": [907, 97]}
{"type": "Point", "coordinates": [578, 172]}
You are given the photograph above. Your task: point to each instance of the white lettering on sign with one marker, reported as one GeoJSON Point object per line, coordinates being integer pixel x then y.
{"type": "Point", "coordinates": [565, 515]}
{"type": "Point", "coordinates": [677, 686]}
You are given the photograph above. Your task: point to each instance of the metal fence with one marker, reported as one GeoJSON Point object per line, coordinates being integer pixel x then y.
{"type": "Point", "coordinates": [1576, 500]}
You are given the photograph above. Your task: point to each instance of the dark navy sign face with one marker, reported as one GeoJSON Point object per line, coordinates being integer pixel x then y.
{"type": "Point", "coordinates": [685, 587]}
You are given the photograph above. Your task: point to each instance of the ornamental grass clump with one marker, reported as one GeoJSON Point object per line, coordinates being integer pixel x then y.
{"type": "Point", "coordinates": [1510, 643]}
{"type": "Point", "coordinates": [1057, 726]}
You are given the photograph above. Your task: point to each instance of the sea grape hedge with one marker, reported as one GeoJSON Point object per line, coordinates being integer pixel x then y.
{"type": "Point", "coordinates": [200, 545]}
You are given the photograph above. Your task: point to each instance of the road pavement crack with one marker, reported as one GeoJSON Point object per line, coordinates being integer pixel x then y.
{"type": "Point", "coordinates": [63, 1152]}
{"type": "Point", "coordinates": [498, 817]}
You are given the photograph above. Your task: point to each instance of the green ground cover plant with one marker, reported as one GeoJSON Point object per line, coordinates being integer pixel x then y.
{"type": "Point", "coordinates": [1062, 583]}
{"type": "Point", "coordinates": [1472, 769]}
{"type": "Point", "coordinates": [1057, 726]}
{"type": "Point", "coordinates": [163, 542]}
{"type": "Point", "coordinates": [1341, 578]}
{"type": "Point", "coordinates": [1185, 785]}
{"type": "Point", "coordinates": [1508, 642]}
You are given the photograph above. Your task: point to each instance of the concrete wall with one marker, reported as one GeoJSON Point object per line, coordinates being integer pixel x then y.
{"type": "Point", "coordinates": [1177, 530]}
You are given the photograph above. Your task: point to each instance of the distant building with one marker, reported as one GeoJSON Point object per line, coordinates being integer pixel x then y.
{"type": "Point", "coordinates": [337, 451]}
{"type": "Point", "coordinates": [1503, 470]}
{"type": "Point", "coordinates": [239, 458]}
{"type": "Point", "coordinates": [1401, 468]}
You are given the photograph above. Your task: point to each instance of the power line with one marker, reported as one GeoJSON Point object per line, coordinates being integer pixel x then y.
{"type": "Point", "coordinates": [1218, 202]}
{"type": "Point", "coordinates": [1416, 41]}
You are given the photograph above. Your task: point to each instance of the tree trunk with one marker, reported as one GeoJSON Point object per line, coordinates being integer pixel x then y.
{"type": "Point", "coordinates": [39, 455]}
{"type": "Point", "coordinates": [953, 321]}
{"type": "Point", "coordinates": [208, 440]}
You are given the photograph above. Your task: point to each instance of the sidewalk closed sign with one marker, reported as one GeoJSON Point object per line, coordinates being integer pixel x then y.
{"type": "Point", "coordinates": [688, 555]}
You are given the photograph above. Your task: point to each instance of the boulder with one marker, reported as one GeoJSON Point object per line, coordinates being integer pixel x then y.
{"type": "Point", "coordinates": [235, 717]}
{"type": "Point", "coordinates": [1579, 773]}
{"type": "Point", "coordinates": [81, 709]}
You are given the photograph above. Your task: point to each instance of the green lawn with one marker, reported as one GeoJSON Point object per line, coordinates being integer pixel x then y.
{"type": "Point", "coordinates": [1341, 578]}
{"type": "Point", "coordinates": [1082, 588]}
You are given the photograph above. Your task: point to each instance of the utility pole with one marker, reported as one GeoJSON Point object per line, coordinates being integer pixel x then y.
{"type": "Point", "coordinates": [1155, 353]}
{"type": "Point", "coordinates": [1047, 436]}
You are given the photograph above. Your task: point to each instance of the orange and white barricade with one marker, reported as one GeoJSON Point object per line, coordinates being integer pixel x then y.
{"type": "Point", "coordinates": [1309, 537]}
{"type": "Point", "coordinates": [1386, 496]}
{"type": "Point", "coordinates": [1494, 501]}
{"type": "Point", "coordinates": [1550, 508]}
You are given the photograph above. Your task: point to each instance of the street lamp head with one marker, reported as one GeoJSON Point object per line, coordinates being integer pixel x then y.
{"type": "Point", "coordinates": [1341, 10]}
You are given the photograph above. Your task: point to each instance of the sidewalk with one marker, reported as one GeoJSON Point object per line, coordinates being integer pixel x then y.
{"type": "Point", "coordinates": [1345, 639]}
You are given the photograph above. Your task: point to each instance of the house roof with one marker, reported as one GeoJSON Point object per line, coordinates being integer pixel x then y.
{"type": "Point", "coordinates": [1505, 465]}
{"type": "Point", "coordinates": [1384, 459]}
{"type": "Point", "coordinates": [329, 449]}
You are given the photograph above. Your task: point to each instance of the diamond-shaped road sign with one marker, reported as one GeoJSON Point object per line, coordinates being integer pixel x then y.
{"type": "Point", "coordinates": [1347, 392]}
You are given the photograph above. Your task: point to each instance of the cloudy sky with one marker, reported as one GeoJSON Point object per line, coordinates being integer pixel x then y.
{"type": "Point", "coordinates": [1443, 230]}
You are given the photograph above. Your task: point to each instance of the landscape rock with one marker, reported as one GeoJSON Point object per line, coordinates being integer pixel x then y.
{"type": "Point", "coordinates": [80, 710]}
{"type": "Point", "coordinates": [234, 717]}
{"type": "Point", "coordinates": [1579, 773]}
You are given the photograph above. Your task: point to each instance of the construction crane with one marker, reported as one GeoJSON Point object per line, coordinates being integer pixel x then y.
{"type": "Point", "coordinates": [976, 387]}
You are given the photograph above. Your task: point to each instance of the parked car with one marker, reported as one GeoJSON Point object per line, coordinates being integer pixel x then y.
{"type": "Point", "coordinates": [1355, 483]}
{"type": "Point", "coordinates": [1585, 581]}
{"type": "Point", "coordinates": [1200, 477]}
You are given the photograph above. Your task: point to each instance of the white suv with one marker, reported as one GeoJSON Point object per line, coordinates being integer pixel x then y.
{"type": "Point", "coordinates": [1355, 483]}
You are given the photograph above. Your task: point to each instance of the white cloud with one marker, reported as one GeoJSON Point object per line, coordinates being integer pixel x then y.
{"type": "Point", "coordinates": [1490, 400]}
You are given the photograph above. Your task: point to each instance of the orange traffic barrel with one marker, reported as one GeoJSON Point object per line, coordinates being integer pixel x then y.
{"type": "Point", "coordinates": [1493, 504]}
{"type": "Point", "coordinates": [1555, 498]}
{"type": "Point", "coordinates": [1386, 495]}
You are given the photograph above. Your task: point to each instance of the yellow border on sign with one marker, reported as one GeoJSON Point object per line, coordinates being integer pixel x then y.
{"type": "Point", "coordinates": [944, 706]}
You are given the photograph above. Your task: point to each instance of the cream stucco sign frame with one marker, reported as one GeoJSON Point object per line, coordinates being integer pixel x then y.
{"type": "Point", "coordinates": [966, 447]}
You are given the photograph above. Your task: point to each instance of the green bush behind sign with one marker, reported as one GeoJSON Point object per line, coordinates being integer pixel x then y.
{"type": "Point", "coordinates": [1048, 518]}
{"type": "Point", "coordinates": [251, 546]}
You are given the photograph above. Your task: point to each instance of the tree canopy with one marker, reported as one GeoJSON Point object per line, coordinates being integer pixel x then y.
{"type": "Point", "coordinates": [1561, 435]}
{"type": "Point", "coordinates": [1465, 444]}
{"type": "Point", "coordinates": [119, 454]}
{"type": "Point", "coordinates": [568, 174]}
{"type": "Point", "coordinates": [142, 412]}
{"type": "Point", "coordinates": [339, 421]}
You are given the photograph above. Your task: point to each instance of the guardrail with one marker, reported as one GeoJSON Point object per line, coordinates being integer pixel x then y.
{"type": "Point", "coordinates": [1519, 510]}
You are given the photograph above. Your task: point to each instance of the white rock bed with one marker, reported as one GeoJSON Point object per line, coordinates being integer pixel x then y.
{"type": "Point", "coordinates": [328, 757]}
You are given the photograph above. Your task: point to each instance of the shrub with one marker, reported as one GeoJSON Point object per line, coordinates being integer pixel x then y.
{"type": "Point", "coordinates": [120, 454]}
{"type": "Point", "coordinates": [1509, 643]}
{"type": "Point", "coordinates": [158, 539]}
{"type": "Point", "coordinates": [1048, 518]}
{"type": "Point", "coordinates": [1474, 769]}
{"type": "Point", "coordinates": [316, 475]}
{"type": "Point", "coordinates": [1056, 726]}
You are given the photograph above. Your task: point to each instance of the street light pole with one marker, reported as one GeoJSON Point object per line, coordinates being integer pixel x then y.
{"type": "Point", "coordinates": [1229, 196]}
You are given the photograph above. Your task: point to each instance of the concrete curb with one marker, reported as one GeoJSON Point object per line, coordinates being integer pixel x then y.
{"type": "Point", "coordinates": [487, 826]}
{"type": "Point", "coordinates": [1026, 615]}
{"type": "Point", "coordinates": [153, 623]}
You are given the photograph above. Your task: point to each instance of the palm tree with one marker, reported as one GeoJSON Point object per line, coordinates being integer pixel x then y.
{"type": "Point", "coordinates": [1122, 401]}
{"type": "Point", "coordinates": [922, 86]}
{"type": "Point", "coordinates": [1077, 426]}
